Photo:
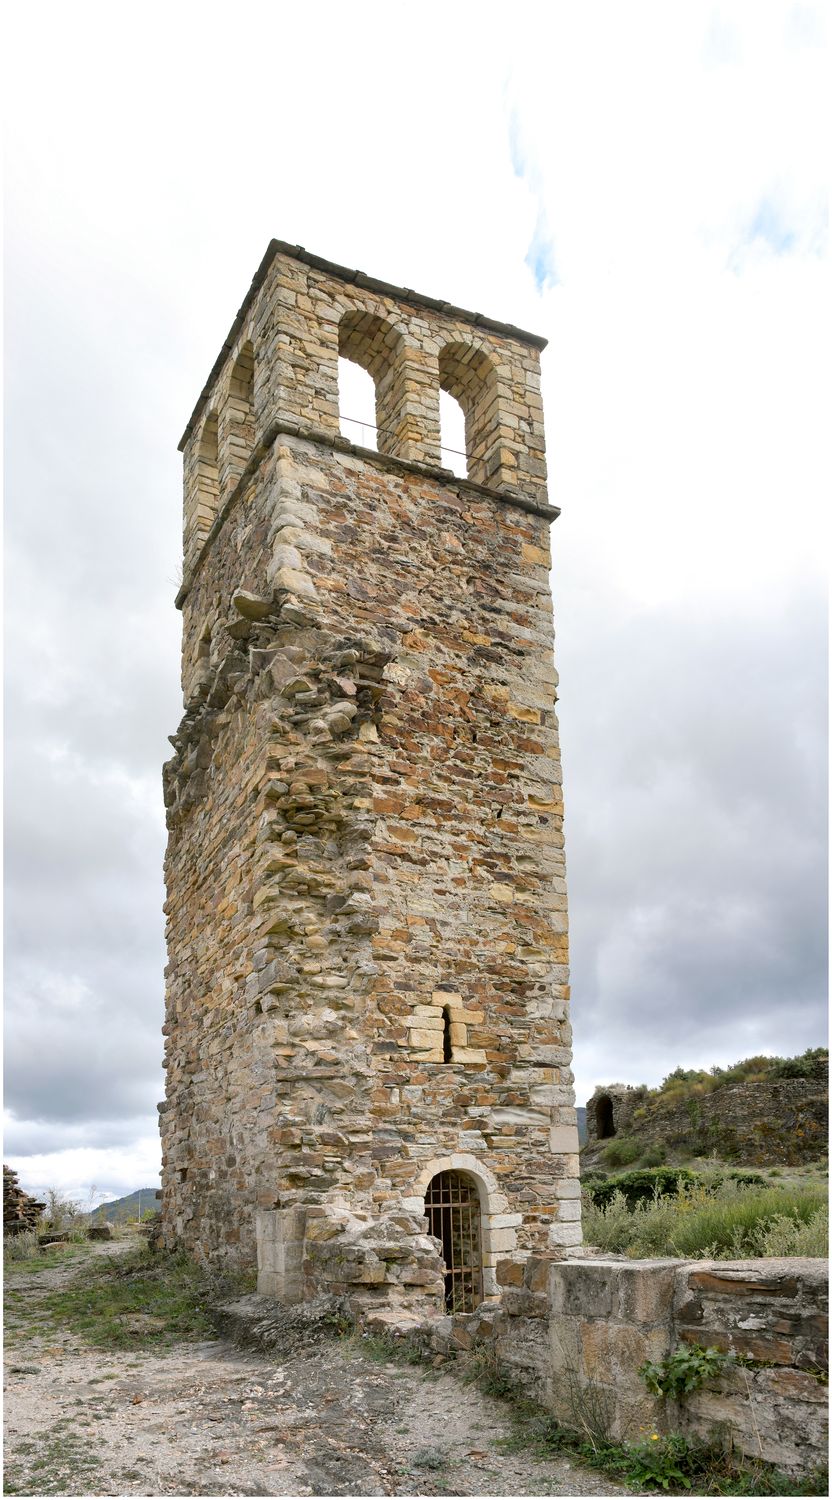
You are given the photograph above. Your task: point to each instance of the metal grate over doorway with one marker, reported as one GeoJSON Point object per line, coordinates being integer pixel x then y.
{"type": "Point", "coordinates": [452, 1206]}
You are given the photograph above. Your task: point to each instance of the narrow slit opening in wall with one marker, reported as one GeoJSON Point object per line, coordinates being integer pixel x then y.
{"type": "Point", "coordinates": [447, 1049]}
{"type": "Point", "coordinates": [357, 404]}
{"type": "Point", "coordinates": [452, 1206]}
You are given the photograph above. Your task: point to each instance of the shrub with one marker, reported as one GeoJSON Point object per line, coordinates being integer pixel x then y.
{"type": "Point", "coordinates": [810, 1064]}
{"type": "Point", "coordinates": [640, 1186]}
{"type": "Point", "coordinates": [683, 1371]}
{"type": "Point", "coordinates": [654, 1156]}
{"type": "Point", "coordinates": [61, 1213]}
{"type": "Point", "coordinates": [786, 1234]}
{"type": "Point", "coordinates": [732, 1222]}
{"type": "Point", "coordinates": [619, 1153]}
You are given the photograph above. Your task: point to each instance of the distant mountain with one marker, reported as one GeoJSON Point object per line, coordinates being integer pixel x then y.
{"type": "Point", "coordinates": [132, 1207]}
{"type": "Point", "coordinates": [581, 1113]}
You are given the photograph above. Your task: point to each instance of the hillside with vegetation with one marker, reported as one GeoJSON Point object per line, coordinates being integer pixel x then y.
{"type": "Point", "coordinates": [729, 1162]}
{"type": "Point", "coordinates": [763, 1111]}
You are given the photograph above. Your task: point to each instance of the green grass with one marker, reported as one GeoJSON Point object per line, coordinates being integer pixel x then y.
{"type": "Point", "coordinates": [730, 1222]}
{"type": "Point", "coordinates": [59, 1462]}
{"type": "Point", "coordinates": [171, 1292]}
{"type": "Point", "coordinates": [47, 1260]}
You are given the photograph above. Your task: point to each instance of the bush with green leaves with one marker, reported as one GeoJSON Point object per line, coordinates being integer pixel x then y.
{"type": "Point", "coordinates": [639, 1186]}
{"type": "Point", "coordinates": [810, 1064]}
{"type": "Point", "coordinates": [621, 1151]}
{"type": "Point", "coordinates": [787, 1234]}
{"type": "Point", "coordinates": [654, 1156]}
{"type": "Point", "coordinates": [646, 1183]}
{"type": "Point", "coordinates": [683, 1371]}
{"type": "Point", "coordinates": [660, 1463]}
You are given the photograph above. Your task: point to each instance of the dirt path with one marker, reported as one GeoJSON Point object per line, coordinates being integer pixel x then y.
{"type": "Point", "coordinates": [209, 1419]}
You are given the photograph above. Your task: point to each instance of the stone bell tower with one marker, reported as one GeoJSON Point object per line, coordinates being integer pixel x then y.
{"type": "Point", "coordinates": [367, 1032]}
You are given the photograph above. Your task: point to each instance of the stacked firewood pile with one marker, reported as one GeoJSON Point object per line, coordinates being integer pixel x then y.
{"type": "Point", "coordinates": [19, 1210]}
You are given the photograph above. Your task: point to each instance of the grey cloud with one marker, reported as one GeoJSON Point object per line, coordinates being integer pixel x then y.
{"type": "Point", "coordinates": [694, 754]}
{"type": "Point", "coordinates": [31, 1137]}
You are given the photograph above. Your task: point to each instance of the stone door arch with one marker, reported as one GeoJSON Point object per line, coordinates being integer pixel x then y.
{"type": "Point", "coordinates": [498, 1226]}
{"type": "Point", "coordinates": [452, 1207]}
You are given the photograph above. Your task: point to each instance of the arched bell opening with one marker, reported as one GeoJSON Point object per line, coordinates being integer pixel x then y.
{"type": "Point", "coordinates": [452, 1206]}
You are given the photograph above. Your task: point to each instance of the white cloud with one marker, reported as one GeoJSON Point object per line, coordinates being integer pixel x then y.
{"type": "Point", "coordinates": [90, 1176]}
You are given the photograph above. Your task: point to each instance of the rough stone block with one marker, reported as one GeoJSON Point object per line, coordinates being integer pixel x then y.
{"type": "Point", "coordinates": [509, 1272]}
{"type": "Point", "coordinates": [585, 1289]}
{"type": "Point", "coordinates": [564, 1234]}
{"type": "Point", "coordinates": [563, 1140]}
{"type": "Point", "coordinates": [646, 1291]}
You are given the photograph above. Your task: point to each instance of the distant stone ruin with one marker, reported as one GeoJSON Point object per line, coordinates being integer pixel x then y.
{"type": "Point", "coordinates": [20, 1211]}
{"type": "Point", "coordinates": [368, 1048]}
{"type": "Point", "coordinates": [767, 1122]}
{"type": "Point", "coordinates": [610, 1113]}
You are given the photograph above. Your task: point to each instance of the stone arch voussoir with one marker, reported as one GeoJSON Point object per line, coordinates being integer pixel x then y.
{"type": "Point", "coordinates": [499, 1226]}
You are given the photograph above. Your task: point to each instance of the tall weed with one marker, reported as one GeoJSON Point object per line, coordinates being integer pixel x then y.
{"type": "Point", "coordinates": [20, 1246]}
{"type": "Point", "coordinates": [731, 1222]}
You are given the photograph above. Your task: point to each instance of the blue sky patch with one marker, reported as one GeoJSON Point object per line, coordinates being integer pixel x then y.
{"type": "Point", "coordinates": [769, 225]}
{"type": "Point", "coordinates": [540, 256]}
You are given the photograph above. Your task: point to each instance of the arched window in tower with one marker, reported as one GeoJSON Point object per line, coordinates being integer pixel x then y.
{"type": "Point", "coordinates": [452, 452]}
{"type": "Point", "coordinates": [239, 415]}
{"type": "Point", "coordinates": [467, 374]}
{"type": "Point", "coordinates": [452, 1206]}
{"type": "Point", "coordinates": [374, 345]}
{"type": "Point", "coordinates": [604, 1121]}
{"type": "Point", "coordinates": [357, 404]}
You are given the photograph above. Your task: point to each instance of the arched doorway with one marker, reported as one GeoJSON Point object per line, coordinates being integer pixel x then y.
{"type": "Point", "coordinates": [604, 1122]}
{"type": "Point", "coordinates": [452, 1205]}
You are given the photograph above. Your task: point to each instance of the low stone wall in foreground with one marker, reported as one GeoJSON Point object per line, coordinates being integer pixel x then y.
{"type": "Point", "coordinates": [575, 1334]}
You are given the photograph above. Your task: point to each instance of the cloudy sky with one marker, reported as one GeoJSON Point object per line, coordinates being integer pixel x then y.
{"type": "Point", "coordinates": [641, 183]}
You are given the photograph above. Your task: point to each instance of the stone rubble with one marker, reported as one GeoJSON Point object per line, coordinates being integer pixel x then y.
{"type": "Point", "coordinates": [20, 1211]}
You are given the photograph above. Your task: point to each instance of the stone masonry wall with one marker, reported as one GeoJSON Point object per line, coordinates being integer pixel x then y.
{"type": "Point", "coordinates": [300, 314]}
{"type": "Point", "coordinates": [365, 831]}
{"type": "Point", "coordinates": [576, 1333]}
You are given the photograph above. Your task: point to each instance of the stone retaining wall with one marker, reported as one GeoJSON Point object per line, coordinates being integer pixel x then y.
{"type": "Point", "coordinates": [576, 1333]}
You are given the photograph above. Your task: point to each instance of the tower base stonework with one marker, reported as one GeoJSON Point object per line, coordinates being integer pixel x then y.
{"type": "Point", "coordinates": [367, 930]}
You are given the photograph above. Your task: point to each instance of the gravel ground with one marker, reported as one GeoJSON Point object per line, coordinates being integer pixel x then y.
{"type": "Point", "coordinates": [210, 1419]}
